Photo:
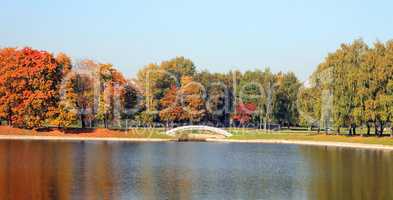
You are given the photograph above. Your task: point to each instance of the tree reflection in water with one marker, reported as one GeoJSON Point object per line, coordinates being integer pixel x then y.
{"type": "Point", "coordinates": [117, 170]}
{"type": "Point", "coordinates": [342, 173]}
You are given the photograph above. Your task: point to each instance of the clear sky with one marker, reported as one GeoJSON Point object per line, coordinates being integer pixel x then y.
{"type": "Point", "coordinates": [219, 35]}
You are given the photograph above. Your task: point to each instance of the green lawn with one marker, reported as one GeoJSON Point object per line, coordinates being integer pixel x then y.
{"type": "Point", "coordinates": [299, 134]}
{"type": "Point", "coordinates": [248, 134]}
{"type": "Point", "coordinates": [238, 134]}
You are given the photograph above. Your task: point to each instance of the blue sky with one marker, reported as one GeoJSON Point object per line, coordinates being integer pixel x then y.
{"type": "Point", "coordinates": [221, 35]}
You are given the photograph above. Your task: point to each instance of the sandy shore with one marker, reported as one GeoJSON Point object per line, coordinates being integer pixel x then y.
{"type": "Point", "coordinates": [311, 143]}
{"type": "Point", "coordinates": [261, 141]}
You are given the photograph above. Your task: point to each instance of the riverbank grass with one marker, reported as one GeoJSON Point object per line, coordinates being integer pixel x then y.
{"type": "Point", "coordinates": [308, 136]}
{"type": "Point", "coordinates": [159, 133]}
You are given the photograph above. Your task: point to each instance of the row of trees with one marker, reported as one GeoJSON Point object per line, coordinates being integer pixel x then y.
{"type": "Point", "coordinates": [359, 81]}
{"type": "Point", "coordinates": [174, 92]}
{"type": "Point", "coordinates": [38, 89]}
{"type": "Point", "coordinates": [351, 88]}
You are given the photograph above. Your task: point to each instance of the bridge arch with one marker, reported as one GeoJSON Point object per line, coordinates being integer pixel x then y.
{"type": "Point", "coordinates": [199, 128]}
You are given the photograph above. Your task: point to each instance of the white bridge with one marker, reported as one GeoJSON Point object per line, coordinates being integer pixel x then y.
{"type": "Point", "coordinates": [199, 128]}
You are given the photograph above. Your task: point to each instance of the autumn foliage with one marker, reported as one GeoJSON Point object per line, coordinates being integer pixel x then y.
{"type": "Point", "coordinates": [244, 112]}
{"type": "Point", "coordinates": [171, 110]}
{"type": "Point", "coordinates": [40, 89]}
{"type": "Point", "coordinates": [28, 86]}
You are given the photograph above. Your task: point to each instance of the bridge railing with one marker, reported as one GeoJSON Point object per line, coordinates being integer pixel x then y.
{"type": "Point", "coordinates": [199, 128]}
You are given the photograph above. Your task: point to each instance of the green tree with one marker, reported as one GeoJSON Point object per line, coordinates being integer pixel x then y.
{"type": "Point", "coordinates": [130, 101]}
{"type": "Point", "coordinates": [285, 108]}
{"type": "Point", "coordinates": [219, 96]}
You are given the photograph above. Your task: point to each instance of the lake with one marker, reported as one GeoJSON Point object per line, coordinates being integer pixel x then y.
{"type": "Point", "coordinates": [171, 170]}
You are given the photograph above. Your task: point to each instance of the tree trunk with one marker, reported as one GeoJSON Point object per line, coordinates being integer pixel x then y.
{"type": "Point", "coordinates": [368, 129]}
{"type": "Point", "coordinates": [381, 131]}
{"type": "Point", "coordinates": [9, 120]}
{"type": "Point", "coordinates": [376, 129]}
{"type": "Point", "coordinates": [338, 130]}
{"type": "Point", "coordinates": [83, 121]}
{"type": "Point", "coordinates": [350, 131]}
{"type": "Point", "coordinates": [106, 119]}
{"type": "Point", "coordinates": [326, 131]}
{"type": "Point", "coordinates": [260, 122]}
{"type": "Point", "coordinates": [391, 131]}
{"type": "Point", "coordinates": [354, 129]}
{"type": "Point", "coordinates": [126, 125]}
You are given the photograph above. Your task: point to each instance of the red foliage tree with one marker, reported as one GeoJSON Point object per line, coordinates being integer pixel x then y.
{"type": "Point", "coordinates": [244, 112]}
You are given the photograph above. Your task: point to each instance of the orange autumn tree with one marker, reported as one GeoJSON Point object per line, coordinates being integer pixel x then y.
{"type": "Point", "coordinates": [192, 100]}
{"type": "Point", "coordinates": [171, 110]}
{"type": "Point", "coordinates": [29, 87]}
{"type": "Point", "coordinates": [7, 90]}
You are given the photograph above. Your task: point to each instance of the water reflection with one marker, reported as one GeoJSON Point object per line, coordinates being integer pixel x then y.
{"type": "Point", "coordinates": [115, 170]}
{"type": "Point", "coordinates": [341, 173]}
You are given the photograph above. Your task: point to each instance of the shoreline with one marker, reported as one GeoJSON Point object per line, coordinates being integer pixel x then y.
{"type": "Point", "coordinates": [253, 141]}
{"type": "Point", "coordinates": [76, 138]}
{"type": "Point", "coordinates": [308, 143]}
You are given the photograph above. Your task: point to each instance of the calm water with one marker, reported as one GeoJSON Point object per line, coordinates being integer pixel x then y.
{"type": "Point", "coordinates": [116, 170]}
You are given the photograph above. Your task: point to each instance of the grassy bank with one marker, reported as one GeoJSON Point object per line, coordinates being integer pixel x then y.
{"type": "Point", "coordinates": [158, 133]}
{"type": "Point", "coordinates": [307, 136]}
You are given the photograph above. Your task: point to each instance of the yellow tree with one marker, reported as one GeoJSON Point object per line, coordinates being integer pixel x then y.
{"type": "Point", "coordinates": [344, 64]}
{"type": "Point", "coordinates": [309, 106]}
{"type": "Point", "coordinates": [66, 112]}
{"type": "Point", "coordinates": [148, 80]}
